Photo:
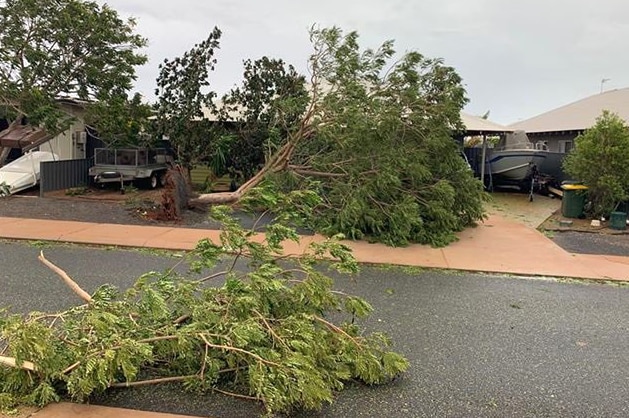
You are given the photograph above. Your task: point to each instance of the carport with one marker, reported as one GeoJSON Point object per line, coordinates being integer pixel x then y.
{"type": "Point", "coordinates": [478, 126]}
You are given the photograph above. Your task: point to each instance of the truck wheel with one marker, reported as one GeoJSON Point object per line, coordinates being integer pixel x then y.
{"type": "Point", "coordinates": [149, 183]}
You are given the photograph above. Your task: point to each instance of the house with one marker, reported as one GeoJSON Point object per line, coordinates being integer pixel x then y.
{"type": "Point", "coordinates": [69, 145]}
{"type": "Point", "coordinates": [559, 127]}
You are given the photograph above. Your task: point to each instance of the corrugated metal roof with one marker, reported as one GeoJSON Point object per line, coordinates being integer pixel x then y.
{"type": "Point", "coordinates": [476, 124]}
{"type": "Point", "coordinates": [579, 115]}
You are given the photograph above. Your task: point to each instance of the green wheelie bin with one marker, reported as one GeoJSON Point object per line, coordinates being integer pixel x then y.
{"type": "Point", "coordinates": [573, 200]}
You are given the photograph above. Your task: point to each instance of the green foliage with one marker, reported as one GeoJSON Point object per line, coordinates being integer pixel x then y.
{"type": "Point", "coordinates": [121, 122]}
{"type": "Point", "coordinates": [77, 191]}
{"type": "Point", "coordinates": [600, 160]}
{"type": "Point", "coordinates": [262, 334]}
{"type": "Point", "coordinates": [5, 189]}
{"type": "Point", "coordinates": [264, 111]}
{"type": "Point", "coordinates": [182, 90]}
{"type": "Point", "coordinates": [380, 145]}
{"type": "Point", "coordinates": [65, 47]}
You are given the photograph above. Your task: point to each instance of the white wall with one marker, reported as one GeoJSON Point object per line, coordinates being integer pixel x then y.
{"type": "Point", "coordinates": [64, 144]}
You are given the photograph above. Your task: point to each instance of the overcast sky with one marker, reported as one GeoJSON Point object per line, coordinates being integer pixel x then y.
{"type": "Point", "coordinates": [517, 58]}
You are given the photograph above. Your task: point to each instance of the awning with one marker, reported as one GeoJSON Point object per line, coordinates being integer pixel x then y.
{"type": "Point", "coordinates": [24, 137]}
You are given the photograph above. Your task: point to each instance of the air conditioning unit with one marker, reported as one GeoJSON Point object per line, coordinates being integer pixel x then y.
{"type": "Point", "coordinates": [80, 137]}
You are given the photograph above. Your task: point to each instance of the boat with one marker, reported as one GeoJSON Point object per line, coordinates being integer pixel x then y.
{"type": "Point", "coordinates": [23, 172]}
{"type": "Point", "coordinates": [515, 160]}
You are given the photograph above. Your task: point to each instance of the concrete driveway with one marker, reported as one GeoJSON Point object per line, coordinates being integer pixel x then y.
{"type": "Point", "coordinates": [516, 206]}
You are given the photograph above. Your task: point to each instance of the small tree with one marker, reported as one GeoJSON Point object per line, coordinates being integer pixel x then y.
{"type": "Point", "coordinates": [64, 47]}
{"type": "Point", "coordinates": [601, 160]}
{"type": "Point", "coordinates": [183, 94]}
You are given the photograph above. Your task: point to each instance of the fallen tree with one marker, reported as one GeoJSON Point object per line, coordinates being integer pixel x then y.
{"type": "Point", "coordinates": [263, 335]}
{"type": "Point", "coordinates": [374, 139]}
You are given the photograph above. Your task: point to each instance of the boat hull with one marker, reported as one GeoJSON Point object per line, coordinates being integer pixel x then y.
{"type": "Point", "coordinates": [514, 166]}
{"type": "Point", "coordinates": [23, 173]}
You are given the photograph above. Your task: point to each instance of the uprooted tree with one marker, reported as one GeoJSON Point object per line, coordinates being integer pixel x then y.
{"type": "Point", "coordinates": [374, 138]}
{"type": "Point", "coordinates": [263, 335]}
{"type": "Point", "coordinates": [63, 48]}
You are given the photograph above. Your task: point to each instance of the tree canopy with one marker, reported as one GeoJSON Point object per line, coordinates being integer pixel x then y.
{"type": "Point", "coordinates": [599, 159]}
{"type": "Point", "coordinates": [383, 152]}
{"type": "Point", "coordinates": [121, 121]}
{"type": "Point", "coordinates": [63, 48]}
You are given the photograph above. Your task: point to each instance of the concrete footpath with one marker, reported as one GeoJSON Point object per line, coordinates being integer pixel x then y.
{"type": "Point", "coordinates": [499, 245]}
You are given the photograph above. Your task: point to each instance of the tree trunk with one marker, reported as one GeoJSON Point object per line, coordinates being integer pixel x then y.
{"type": "Point", "coordinates": [224, 198]}
{"type": "Point", "coordinates": [276, 163]}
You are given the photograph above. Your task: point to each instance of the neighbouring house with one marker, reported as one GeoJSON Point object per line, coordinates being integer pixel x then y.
{"type": "Point", "coordinates": [73, 148]}
{"type": "Point", "coordinates": [74, 143]}
{"type": "Point", "coordinates": [558, 128]}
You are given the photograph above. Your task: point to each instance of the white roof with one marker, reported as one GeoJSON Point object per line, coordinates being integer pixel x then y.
{"type": "Point", "coordinates": [579, 115]}
{"type": "Point", "coordinates": [480, 125]}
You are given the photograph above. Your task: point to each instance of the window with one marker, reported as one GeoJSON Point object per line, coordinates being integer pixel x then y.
{"type": "Point", "coordinates": [565, 146]}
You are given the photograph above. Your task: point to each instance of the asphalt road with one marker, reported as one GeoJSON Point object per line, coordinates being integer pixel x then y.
{"type": "Point", "coordinates": [478, 345]}
{"type": "Point", "coordinates": [590, 243]}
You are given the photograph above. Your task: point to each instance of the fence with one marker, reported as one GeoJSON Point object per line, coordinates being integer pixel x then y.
{"type": "Point", "coordinates": [58, 175]}
{"type": "Point", "coordinates": [475, 158]}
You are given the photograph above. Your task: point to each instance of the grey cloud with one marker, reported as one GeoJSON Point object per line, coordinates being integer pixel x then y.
{"type": "Point", "coordinates": [518, 58]}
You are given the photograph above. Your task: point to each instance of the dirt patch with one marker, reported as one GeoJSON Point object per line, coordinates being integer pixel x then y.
{"type": "Point", "coordinates": [557, 222]}
{"type": "Point", "coordinates": [105, 195]}
{"type": "Point", "coordinates": [102, 206]}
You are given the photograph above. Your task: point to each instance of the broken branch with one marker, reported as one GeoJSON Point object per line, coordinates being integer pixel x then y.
{"type": "Point", "coordinates": [235, 395]}
{"type": "Point", "coordinates": [337, 329]}
{"type": "Point", "coordinates": [66, 279]}
{"type": "Point", "coordinates": [238, 350]}
{"type": "Point", "coordinates": [153, 381]}
{"type": "Point", "coordinates": [314, 173]}
{"type": "Point", "coordinates": [11, 362]}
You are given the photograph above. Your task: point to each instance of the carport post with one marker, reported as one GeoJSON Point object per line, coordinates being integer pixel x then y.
{"type": "Point", "coordinates": [484, 156]}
